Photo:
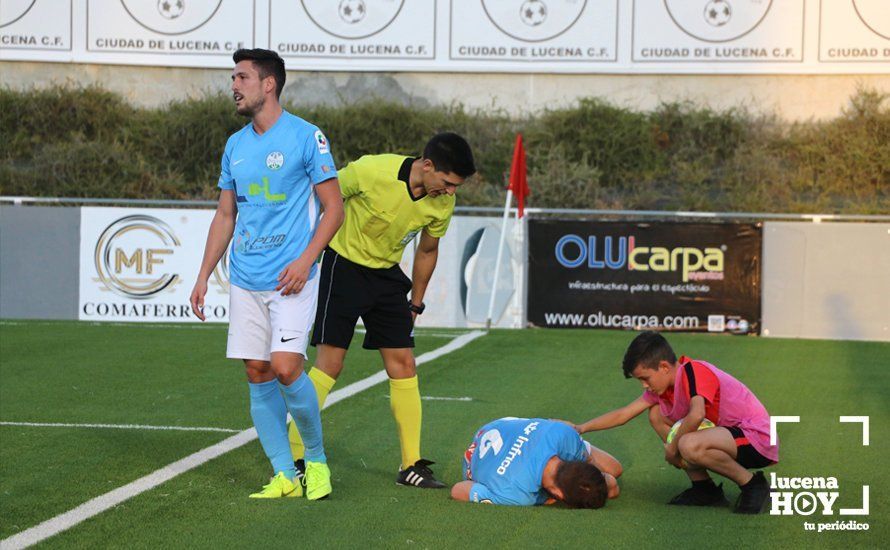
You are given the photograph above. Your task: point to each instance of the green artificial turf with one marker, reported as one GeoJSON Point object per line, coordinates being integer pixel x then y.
{"type": "Point", "coordinates": [178, 376]}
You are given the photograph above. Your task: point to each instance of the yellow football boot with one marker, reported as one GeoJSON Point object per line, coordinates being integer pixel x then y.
{"type": "Point", "coordinates": [318, 480]}
{"type": "Point", "coordinates": [280, 486]}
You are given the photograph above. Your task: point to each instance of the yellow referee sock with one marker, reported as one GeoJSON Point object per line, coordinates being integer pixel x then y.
{"type": "Point", "coordinates": [323, 384]}
{"type": "Point", "coordinates": [404, 401]}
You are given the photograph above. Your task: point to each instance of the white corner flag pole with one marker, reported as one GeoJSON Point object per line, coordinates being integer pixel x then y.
{"type": "Point", "coordinates": [497, 263]}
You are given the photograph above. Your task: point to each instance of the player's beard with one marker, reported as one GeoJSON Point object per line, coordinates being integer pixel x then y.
{"type": "Point", "coordinates": [251, 109]}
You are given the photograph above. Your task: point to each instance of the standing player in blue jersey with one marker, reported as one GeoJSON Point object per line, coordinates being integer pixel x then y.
{"type": "Point", "coordinates": [530, 461]}
{"type": "Point", "coordinates": [275, 172]}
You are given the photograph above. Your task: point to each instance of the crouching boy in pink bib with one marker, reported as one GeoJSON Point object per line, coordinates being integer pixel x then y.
{"type": "Point", "coordinates": [692, 391]}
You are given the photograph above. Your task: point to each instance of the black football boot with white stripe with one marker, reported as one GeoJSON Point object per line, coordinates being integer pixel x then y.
{"type": "Point", "coordinates": [300, 470]}
{"type": "Point", "coordinates": [419, 475]}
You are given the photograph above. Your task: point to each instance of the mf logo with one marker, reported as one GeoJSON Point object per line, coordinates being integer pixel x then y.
{"type": "Point", "coordinates": [490, 441]}
{"type": "Point", "coordinates": [130, 254]}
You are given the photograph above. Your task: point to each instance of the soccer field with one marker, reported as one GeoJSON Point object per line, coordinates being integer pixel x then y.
{"type": "Point", "coordinates": [177, 376]}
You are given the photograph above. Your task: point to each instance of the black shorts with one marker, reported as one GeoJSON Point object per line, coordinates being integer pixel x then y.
{"type": "Point", "coordinates": [348, 291]}
{"type": "Point", "coordinates": [747, 455]}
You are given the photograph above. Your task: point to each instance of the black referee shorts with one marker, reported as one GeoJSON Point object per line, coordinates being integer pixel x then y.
{"type": "Point", "coordinates": [348, 291]}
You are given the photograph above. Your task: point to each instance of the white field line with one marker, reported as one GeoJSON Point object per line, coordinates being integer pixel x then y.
{"type": "Point", "coordinates": [434, 398]}
{"type": "Point", "coordinates": [111, 499]}
{"type": "Point", "coordinates": [374, 379]}
{"type": "Point", "coordinates": [121, 427]}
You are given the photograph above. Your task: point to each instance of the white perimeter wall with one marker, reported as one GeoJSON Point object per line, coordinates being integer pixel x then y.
{"type": "Point", "coordinates": [792, 97]}
{"type": "Point", "coordinates": [820, 280]}
{"type": "Point", "coordinates": [826, 280]}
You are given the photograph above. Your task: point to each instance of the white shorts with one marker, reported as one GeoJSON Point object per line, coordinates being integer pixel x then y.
{"type": "Point", "coordinates": [262, 322]}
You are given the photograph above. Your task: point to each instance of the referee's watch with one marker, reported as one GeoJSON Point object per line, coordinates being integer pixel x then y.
{"type": "Point", "coordinates": [416, 309]}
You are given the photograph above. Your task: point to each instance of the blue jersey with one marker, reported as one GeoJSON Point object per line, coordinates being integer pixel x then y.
{"type": "Point", "coordinates": [273, 175]}
{"type": "Point", "coordinates": [507, 458]}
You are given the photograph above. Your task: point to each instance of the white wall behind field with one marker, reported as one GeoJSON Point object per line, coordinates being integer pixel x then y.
{"type": "Point", "coordinates": [819, 280]}
{"type": "Point", "coordinates": [792, 97]}
{"type": "Point", "coordinates": [826, 280]}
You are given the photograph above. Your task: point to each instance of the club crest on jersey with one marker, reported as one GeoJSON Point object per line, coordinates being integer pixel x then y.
{"type": "Point", "coordinates": [321, 142]}
{"type": "Point", "coordinates": [275, 160]}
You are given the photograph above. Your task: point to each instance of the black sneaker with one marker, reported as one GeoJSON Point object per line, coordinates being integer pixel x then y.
{"type": "Point", "coordinates": [753, 495]}
{"type": "Point", "coordinates": [708, 495]}
{"type": "Point", "coordinates": [300, 468]}
{"type": "Point", "coordinates": [419, 475]}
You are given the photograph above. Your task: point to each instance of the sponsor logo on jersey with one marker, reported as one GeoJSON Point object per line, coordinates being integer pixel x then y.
{"type": "Point", "coordinates": [322, 143]}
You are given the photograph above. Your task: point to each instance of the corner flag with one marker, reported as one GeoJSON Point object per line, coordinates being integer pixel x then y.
{"type": "Point", "coordinates": [518, 186]}
{"type": "Point", "coordinates": [518, 175]}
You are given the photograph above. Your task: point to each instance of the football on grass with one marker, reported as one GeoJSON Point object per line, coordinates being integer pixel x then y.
{"type": "Point", "coordinates": [705, 424]}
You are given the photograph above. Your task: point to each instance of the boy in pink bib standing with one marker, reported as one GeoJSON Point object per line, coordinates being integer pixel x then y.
{"type": "Point", "coordinates": [692, 391]}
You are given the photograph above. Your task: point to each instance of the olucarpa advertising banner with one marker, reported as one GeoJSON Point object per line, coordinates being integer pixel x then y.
{"type": "Point", "coordinates": [645, 276]}
{"type": "Point", "coordinates": [141, 264]}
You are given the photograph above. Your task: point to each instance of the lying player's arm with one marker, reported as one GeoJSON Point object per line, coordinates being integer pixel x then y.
{"type": "Point", "coordinates": [473, 491]}
{"type": "Point", "coordinates": [294, 276]}
{"type": "Point", "coordinates": [461, 490]}
{"type": "Point", "coordinates": [614, 418]}
{"type": "Point", "coordinates": [690, 424]}
{"type": "Point", "coordinates": [606, 463]}
{"type": "Point", "coordinates": [612, 485]}
{"type": "Point", "coordinates": [425, 258]}
{"type": "Point", "coordinates": [221, 229]}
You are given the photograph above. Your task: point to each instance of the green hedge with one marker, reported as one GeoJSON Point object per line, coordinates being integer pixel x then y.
{"type": "Point", "coordinates": [88, 142]}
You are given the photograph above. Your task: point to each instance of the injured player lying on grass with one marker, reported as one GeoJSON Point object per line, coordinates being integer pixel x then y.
{"type": "Point", "coordinates": [531, 461]}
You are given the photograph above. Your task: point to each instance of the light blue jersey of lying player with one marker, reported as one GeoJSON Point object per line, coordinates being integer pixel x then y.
{"type": "Point", "coordinates": [507, 458]}
{"type": "Point", "coordinates": [273, 176]}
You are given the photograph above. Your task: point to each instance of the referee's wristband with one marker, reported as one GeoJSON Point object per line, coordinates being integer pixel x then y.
{"type": "Point", "coordinates": [416, 309]}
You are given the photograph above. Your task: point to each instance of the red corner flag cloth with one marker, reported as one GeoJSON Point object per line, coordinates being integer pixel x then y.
{"type": "Point", "coordinates": [518, 179]}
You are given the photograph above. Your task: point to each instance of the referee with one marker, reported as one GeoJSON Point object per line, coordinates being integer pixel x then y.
{"type": "Point", "coordinates": [389, 200]}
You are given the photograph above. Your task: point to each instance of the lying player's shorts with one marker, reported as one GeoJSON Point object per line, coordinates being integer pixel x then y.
{"type": "Point", "coordinates": [262, 322]}
{"type": "Point", "coordinates": [747, 455]}
{"type": "Point", "coordinates": [348, 291]}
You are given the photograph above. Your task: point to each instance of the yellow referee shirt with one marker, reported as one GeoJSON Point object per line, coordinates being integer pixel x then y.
{"type": "Point", "coordinates": [382, 216]}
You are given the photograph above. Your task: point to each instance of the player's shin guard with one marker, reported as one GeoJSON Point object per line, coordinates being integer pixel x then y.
{"type": "Point", "coordinates": [302, 402]}
{"type": "Point", "coordinates": [323, 386]}
{"type": "Point", "coordinates": [268, 410]}
{"type": "Point", "coordinates": [405, 404]}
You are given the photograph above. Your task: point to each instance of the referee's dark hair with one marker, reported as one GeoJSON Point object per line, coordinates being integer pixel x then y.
{"type": "Point", "coordinates": [267, 63]}
{"type": "Point", "coordinates": [450, 153]}
{"type": "Point", "coordinates": [647, 349]}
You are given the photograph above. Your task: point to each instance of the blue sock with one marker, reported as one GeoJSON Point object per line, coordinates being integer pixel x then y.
{"type": "Point", "coordinates": [269, 415]}
{"type": "Point", "coordinates": [302, 402]}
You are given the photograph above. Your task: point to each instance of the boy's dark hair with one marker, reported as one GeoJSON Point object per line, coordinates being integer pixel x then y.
{"type": "Point", "coordinates": [267, 63]}
{"type": "Point", "coordinates": [450, 153]}
{"type": "Point", "coordinates": [647, 350]}
{"type": "Point", "coordinates": [582, 484]}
